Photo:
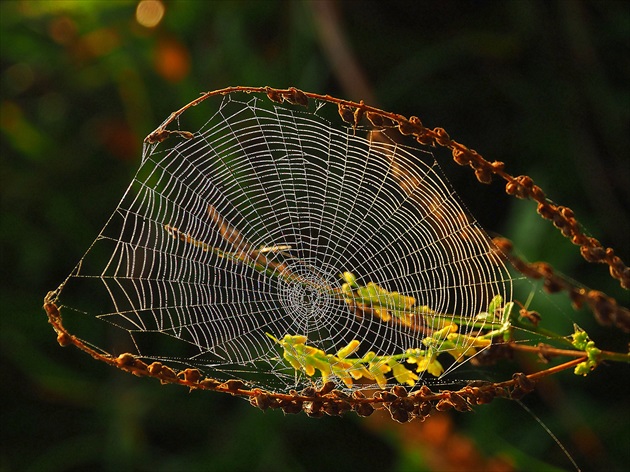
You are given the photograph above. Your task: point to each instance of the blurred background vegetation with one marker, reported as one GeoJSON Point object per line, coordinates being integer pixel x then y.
{"type": "Point", "coordinates": [542, 86]}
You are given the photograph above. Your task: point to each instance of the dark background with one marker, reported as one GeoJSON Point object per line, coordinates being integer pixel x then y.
{"type": "Point", "coordinates": [542, 86]}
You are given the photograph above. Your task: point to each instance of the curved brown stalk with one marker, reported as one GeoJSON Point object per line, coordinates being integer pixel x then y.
{"type": "Point", "coordinates": [521, 186]}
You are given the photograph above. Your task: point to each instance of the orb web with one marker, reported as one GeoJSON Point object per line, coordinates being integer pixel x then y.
{"type": "Point", "coordinates": [227, 242]}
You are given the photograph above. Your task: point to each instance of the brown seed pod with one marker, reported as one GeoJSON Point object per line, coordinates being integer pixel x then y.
{"type": "Point", "coordinates": [125, 359]}
{"type": "Point", "coordinates": [340, 394]}
{"type": "Point", "coordinates": [459, 403]}
{"type": "Point", "coordinates": [308, 392]}
{"type": "Point", "coordinates": [460, 157]}
{"type": "Point", "coordinates": [399, 391]}
{"type": "Point", "coordinates": [484, 396]}
{"type": "Point", "coordinates": [377, 120]}
{"type": "Point", "coordinates": [421, 410]}
{"type": "Point", "coordinates": [274, 95]}
{"type": "Point", "coordinates": [313, 409]}
{"type": "Point", "coordinates": [139, 368]}
{"type": "Point", "coordinates": [155, 368]}
{"type": "Point", "coordinates": [158, 136]}
{"type": "Point", "coordinates": [209, 383]}
{"type": "Point", "coordinates": [51, 308]}
{"type": "Point", "coordinates": [483, 175]}
{"type": "Point", "coordinates": [64, 339]}
{"type": "Point", "coordinates": [593, 254]}
{"type": "Point", "coordinates": [414, 120]}
{"type": "Point", "coordinates": [358, 114]}
{"type": "Point", "coordinates": [443, 138]}
{"type": "Point", "coordinates": [233, 385]}
{"type": "Point", "coordinates": [261, 401]}
{"type": "Point", "coordinates": [444, 404]}
{"type": "Point", "coordinates": [326, 388]}
{"type": "Point", "coordinates": [399, 414]}
{"type": "Point", "coordinates": [383, 396]}
{"type": "Point", "coordinates": [405, 127]}
{"type": "Point", "coordinates": [332, 409]}
{"type": "Point", "coordinates": [523, 381]}
{"type": "Point", "coordinates": [290, 407]}
{"type": "Point", "coordinates": [425, 408]}
{"type": "Point", "coordinates": [363, 409]}
{"type": "Point", "coordinates": [167, 374]}
{"type": "Point", "coordinates": [296, 97]}
{"type": "Point", "coordinates": [190, 375]}
{"type": "Point", "coordinates": [498, 166]}
{"type": "Point", "coordinates": [346, 113]}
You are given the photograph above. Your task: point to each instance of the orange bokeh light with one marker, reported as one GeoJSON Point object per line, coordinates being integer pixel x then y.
{"type": "Point", "coordinates": [172, 60]}
{"type": "Point", "coordinates": [149, 13]}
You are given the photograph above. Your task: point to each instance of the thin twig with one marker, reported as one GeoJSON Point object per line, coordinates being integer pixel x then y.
{"type": "Point", "coordinates": [546, 351]}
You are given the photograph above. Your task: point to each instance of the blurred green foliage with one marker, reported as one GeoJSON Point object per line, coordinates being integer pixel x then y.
{"type": "Point", "coordinates": [542, 86]}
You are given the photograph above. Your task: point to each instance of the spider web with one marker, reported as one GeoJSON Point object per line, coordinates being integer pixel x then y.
{"type": "Point", "coordinates": [244, 231]}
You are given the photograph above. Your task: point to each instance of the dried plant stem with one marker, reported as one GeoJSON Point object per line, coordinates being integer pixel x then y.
{"type": "Point", "coordinates": [402, 405]}
{"type": "Point", "coordinates": [521, 186]}
{"type": "Point", "coordinates": [605, 308]}
{"type": "Point", "coordinates": [546, 352]}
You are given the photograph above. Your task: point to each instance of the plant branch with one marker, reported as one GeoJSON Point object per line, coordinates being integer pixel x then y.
{"type": "Point", "coordinates": [546, 351]}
